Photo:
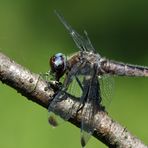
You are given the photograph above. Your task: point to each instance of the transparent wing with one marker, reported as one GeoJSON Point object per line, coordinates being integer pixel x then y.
{"type": "Point", "coordinates": [75, 88]}
{"type": "Point", "coordinates": [64, 91]}
{"type": "Point", "coordinates": [84, 44]}
{"type": "Point", "coordinates": [91, 98]}
{"type": "Point", "coordinates": [107, 89]}
{"type": "Point", "coordinates": [72, 88]}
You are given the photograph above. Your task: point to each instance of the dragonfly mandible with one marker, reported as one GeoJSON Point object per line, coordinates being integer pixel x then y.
{"type": "Point", "coordinates": [92, 67]}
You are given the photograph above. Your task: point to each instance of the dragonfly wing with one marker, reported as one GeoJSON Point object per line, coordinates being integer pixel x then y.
{"type": "Point", "coordinates": [75, 88]}
{"type": "Point", "coordinates": [84, 44]}
{"type": "Point", "coordinates": [86, 124]}
{"type": "Point", "coordinates": [61, 94]}
{"type": "Point", "coordinates": [72, 87]}
{"type": "Point", "coordinates": [91, 98]}
{"type": "Point", "coordinates": [107, 89]}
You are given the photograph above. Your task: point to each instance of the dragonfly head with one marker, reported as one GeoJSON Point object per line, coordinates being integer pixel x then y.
{"type": "Point", "coordinates": [58, 65]}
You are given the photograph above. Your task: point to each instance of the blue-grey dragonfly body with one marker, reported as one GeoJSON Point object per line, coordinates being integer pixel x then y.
{"type": "Point", "coordinates": [88, 64]}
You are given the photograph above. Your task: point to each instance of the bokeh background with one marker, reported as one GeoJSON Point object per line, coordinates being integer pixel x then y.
{"type": "Point", "coordinates": [30, 33]}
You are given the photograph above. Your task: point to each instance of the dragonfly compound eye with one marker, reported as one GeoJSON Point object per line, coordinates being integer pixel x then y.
{"type": "Point", "coordinates": [58, 65]}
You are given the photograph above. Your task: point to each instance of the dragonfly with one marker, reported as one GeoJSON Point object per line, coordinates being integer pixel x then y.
{"type": "Point", "coordinates": [88, 68]}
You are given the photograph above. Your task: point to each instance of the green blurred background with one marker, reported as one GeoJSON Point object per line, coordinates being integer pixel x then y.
{"type": "Point", "coordinates": [30, 33]}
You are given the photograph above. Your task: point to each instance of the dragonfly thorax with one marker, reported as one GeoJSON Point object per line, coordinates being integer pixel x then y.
{"type": "Point", "coordinates": [58, 65]}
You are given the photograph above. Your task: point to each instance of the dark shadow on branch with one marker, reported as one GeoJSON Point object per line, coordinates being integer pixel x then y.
{"type": "Point", "coordinates": [36, 89]}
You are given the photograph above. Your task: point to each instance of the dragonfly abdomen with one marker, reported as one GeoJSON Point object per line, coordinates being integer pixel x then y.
{"type": "Point", "coordinates": [122, 69]}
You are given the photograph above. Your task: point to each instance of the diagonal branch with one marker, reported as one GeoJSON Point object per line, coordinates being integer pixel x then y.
{"type": "Point", "coordinates": [36, 89]}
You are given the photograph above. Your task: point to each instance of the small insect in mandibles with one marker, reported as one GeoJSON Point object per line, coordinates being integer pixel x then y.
{"type": "Point", "coordinates": [93, 75]}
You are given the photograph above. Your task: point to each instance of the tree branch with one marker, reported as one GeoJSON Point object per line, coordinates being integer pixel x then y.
{"type": "Point", "coordinates": [36, 89]}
